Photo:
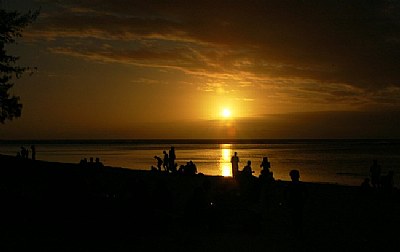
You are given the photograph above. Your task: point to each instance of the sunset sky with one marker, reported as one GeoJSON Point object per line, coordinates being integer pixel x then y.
{"type": "Point", "coordinates": [208, 69]}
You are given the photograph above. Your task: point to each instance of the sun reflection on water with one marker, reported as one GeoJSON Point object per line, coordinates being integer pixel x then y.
{"type": "Point", "coordinates": [225, 160]}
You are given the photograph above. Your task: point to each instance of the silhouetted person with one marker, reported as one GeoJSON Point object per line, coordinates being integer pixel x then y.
{"type": "Point", "coordinates": [265, 164]}
{"type": "Point", "coordinates": [247, 171]}
{"type": "Point", "coordinates": [166, 161]}
{"type": "Point", "coordinates": [181, 169]}
{"type": "Point", "coordinates": [83, 161]}
{"type": "Point", "coordinates": [98, 163]}
{"type": "Point", "coordinates": [248, 184]}
{"type": "Point", "coordinates": [375, 173]}
{"type": "Point", "coordinates": [33, 149]}
{"type": "Point", "coordinates": [296, 195]}
{"type": "Point", "coordinates": [266, 176]}
{"type": "Point", "coordinates": [190, 168]}
{"type": "Point", "coordinates": [235, 165]}
{"type": "Point", "coordinates": [24, 152]}
{"type": "Point", "coordinates": [159, 162]}
{"type": "Point", "coordinates": [171, 157]}
{"type": "Point", "coordinates": [265, 180]}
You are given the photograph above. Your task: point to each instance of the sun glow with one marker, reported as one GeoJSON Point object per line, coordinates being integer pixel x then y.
{"type": "Point", "coordinates": [226, 113]}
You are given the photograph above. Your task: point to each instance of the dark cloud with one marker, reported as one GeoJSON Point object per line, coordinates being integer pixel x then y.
{"type": "Point", "coordinates": [332, 44]}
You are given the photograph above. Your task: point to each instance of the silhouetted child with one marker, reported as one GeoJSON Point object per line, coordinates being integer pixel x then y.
{"type": "Point", "coordinates": [296, 195]}
{"type": "Point", "coordinates": [159, 162]}
{"type": "Point", "coordinates": [153, 168]}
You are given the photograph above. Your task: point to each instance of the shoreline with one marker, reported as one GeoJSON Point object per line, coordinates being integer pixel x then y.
{"type": "Point", "coordinates": [63, 204]}
{"type": "Point", "coordinates": [344, 162]}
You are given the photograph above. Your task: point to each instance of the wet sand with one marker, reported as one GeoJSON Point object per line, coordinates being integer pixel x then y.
{"type": "Point", "coordinates": [70, 207]}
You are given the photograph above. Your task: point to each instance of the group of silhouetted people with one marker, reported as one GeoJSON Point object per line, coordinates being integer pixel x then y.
{"type": "Point", "coordinates": [91, 163]}
{"type": "Point", "coordinates": [266, 175]}
{"type": "Point", "coordinates": [24, 152]}
{"type": "Point", "coordinates": [295, 193]}
{"type": "Point", "coordinates": [376, 181]}
{"type": "Point", "coordinates": [168, 164]}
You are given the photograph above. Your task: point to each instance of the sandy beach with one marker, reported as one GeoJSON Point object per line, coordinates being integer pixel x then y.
{"type": "Point", "coordinates": [72, 207]}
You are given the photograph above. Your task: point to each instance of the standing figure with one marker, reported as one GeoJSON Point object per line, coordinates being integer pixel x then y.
{"type": "Point", "coordinates": [171, 157]}
{"type": "Point", "coordinates": [235, 165]}
{"type": "Point", "coordinates": [375, 173]}
{"type": "Point", "coordinates": [296, 195]}
{"type": "Point", "coordinates": [23, 152]}
{"type": "Point", "coordinates": [166, 161]}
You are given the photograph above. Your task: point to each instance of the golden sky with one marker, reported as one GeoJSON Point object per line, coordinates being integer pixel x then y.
{"type": "Point", "coordinates": [167, 69]}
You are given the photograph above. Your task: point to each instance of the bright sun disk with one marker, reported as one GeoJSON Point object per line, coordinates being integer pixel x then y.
{"type": "Point", "coordinates": [226, 113]}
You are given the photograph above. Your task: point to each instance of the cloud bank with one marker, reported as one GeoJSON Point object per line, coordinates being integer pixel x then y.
{"type": "Point", "coordinates": [335, 55]}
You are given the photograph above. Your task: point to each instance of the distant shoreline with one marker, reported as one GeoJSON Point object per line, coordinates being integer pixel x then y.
{"type": "Point", "coordinates": [12, 161]}
{"type": "Point", "coordinates": [193, 141]}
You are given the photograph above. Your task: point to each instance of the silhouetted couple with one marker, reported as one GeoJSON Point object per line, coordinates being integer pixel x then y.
{"type": "Point", "coordinates": [189, 169]}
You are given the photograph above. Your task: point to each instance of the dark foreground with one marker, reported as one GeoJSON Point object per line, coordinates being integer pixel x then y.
{"type": "Point", "coordinates": [49, 206]}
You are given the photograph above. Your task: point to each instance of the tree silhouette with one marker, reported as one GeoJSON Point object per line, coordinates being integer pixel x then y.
{"type": "Point", "coordinates": [12, 24]}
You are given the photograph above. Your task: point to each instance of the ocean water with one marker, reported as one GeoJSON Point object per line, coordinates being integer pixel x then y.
{"type": "Point", "coordinates": [344, 162]}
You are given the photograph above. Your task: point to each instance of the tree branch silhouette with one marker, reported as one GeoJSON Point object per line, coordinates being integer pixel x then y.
{"type": "Point", "coordinates": [12, 23]}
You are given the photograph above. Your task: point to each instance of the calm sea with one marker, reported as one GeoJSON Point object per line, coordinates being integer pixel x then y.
{"type": "Point", "coordinates": [328, 161]}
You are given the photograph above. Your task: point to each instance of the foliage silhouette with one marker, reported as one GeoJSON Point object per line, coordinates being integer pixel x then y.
{"type": "Point", "coordinates": [12, 23]}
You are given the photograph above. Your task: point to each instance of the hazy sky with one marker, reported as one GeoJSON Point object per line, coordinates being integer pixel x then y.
{"type": "Point", "coordinates": [167, 69]}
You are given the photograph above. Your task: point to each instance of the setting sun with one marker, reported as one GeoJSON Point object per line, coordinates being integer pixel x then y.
{"type": "Point", "coordinates": [226, 113]}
